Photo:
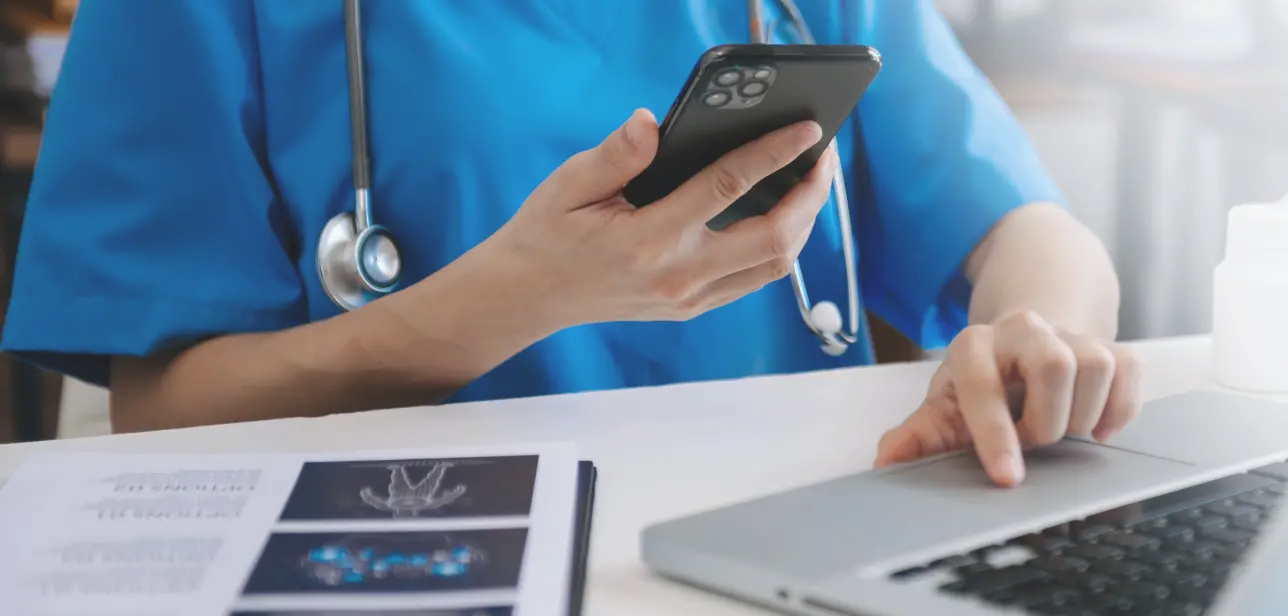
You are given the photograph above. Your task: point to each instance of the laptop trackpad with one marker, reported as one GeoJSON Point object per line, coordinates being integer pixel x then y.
{"type": "Point", "coordinates": [1068, 472]}
{"type": "Point", "coordinates": [1070, 477]}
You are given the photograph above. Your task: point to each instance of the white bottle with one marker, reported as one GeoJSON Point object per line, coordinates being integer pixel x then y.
{"type": "Point", "coordinates": [1250, 301]}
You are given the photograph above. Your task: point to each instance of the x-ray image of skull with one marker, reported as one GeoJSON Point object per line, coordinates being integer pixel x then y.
{"type": "Point", "coordinates": [407, 498]}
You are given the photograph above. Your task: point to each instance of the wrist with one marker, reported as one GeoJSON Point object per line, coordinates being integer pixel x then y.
{"type": "Point", "coordinates": [489, 300]}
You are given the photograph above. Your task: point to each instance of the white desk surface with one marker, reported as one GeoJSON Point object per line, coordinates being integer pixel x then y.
{"type": "Point", "coordinates": [662, 452]}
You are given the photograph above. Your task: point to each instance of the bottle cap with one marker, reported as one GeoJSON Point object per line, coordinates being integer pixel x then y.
{"type": "Point", "coordinates": [1257, 229]}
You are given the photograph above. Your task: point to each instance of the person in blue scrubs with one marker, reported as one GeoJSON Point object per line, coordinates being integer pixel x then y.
{"type": "Point", "coordinates": [195, 149]}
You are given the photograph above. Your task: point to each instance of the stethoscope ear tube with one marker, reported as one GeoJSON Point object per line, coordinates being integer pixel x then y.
{"type": "Point", "coordinates": [824, 319]}
{"type": "Point", "coordinates": [358, 110]}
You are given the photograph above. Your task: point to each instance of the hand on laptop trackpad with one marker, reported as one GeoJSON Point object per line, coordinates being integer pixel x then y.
{"type": "Point", "coordinates": [1067, 473]}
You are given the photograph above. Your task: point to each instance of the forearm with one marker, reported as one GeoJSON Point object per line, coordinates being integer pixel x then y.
{"type": "Point", "coordinates": [1039, 258]}
{"type": "Point", "coordinates": [414, 347]}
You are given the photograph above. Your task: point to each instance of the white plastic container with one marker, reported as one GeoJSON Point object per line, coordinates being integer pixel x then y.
{"type": "Point", "coordinates": [1250, 301]}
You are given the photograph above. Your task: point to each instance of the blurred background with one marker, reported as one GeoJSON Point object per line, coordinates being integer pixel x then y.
{"type": "Point", "coordinates": [1155, 116]}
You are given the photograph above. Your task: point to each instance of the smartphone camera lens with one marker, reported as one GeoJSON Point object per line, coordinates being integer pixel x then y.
{"type": "Point", "coordinates": [728, 77]}
{"type": "Point", "coordinates": [762, 74]}
{"type": "Point", "coordinates": [752, 88]}
{"type": "Point", "coordinates": [716, 99]}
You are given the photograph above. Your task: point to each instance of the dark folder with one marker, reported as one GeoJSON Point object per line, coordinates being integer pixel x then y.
{"type": "Point", "coordinates": [585, 512]}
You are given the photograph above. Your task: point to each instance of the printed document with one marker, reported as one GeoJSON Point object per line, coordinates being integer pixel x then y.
{"type": "Point", "coordinates": [459, 532]}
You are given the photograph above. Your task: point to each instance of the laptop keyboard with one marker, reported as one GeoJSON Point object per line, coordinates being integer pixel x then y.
{"type": "Point", "coordinates": [1165, 556]}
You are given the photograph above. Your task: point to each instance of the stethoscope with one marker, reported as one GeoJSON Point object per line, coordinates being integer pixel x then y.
{"type": "Point", "coordinates": [358, 260]}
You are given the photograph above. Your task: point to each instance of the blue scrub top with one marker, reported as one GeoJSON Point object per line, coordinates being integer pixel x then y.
{"type": "Point", "coordinates": [195, 149]}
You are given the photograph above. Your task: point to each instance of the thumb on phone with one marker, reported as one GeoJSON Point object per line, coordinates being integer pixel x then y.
{"type": "Point", "coordinates": [601, 172]}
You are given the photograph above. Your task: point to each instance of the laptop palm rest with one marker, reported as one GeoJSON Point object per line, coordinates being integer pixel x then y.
{"type": "Point", "coordinates": [876, 522]}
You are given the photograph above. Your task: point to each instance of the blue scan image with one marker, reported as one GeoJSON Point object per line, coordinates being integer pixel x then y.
{"type": "Point", "coordinates": [342, 564]}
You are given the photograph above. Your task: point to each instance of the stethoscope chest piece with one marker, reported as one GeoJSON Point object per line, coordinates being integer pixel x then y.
{"type": "Point", "coordinates": [356, 267]}
{"type": "Point", "coordinates": [358, 259]}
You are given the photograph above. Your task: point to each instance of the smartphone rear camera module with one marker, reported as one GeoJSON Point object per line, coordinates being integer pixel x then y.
{"type": "Point", "coordinates": [741, 87]}
{"type": "Point", "coordinates": [728, 77]}
{"type": "Point", "coordinates": [752, 89]}
{"type": "Point", "coordinates": [718, 98]}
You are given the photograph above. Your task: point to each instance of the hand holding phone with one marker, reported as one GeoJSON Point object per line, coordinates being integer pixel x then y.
{"type": "Point", "coordinates": [743, 150]}
{"type": "Point", "coordinates": [576, 252]}
{"type": "Point", "coordinates": [737, 93]}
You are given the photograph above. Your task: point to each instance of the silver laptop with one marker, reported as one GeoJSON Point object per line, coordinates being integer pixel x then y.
{"type": "Point", "coordinates": [1173, 517]}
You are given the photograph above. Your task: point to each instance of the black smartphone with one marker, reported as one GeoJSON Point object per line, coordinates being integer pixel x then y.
{"type": "Point", "coordinates": [737, 93]}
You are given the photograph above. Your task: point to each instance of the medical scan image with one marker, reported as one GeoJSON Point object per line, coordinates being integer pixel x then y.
{"type": "Point", "coordinates": [355, 561]}
{"type": "Point", "coordinates": [367, 562]}
{"type": "Point", "coordinates": [407, 498]}
{"type": "Point", "coordinates": [413, 489]}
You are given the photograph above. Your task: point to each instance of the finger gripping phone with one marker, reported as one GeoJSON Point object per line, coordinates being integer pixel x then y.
{"type": "Point", "coordinates": [738, 93]}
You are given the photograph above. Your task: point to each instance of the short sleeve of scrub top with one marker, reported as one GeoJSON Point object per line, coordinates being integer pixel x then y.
{"type": "Point", "coordinates": [157, 217]}
{"type": "Point", "coordinates": [151, 220]}
{"type": "Point", "coordinates": [947, 160]}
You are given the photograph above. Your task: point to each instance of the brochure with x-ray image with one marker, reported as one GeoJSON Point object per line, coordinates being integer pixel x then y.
{"type": "Point", "coordinates": [451, 532]}
{"type": "Point", "coordinates": [414, 489]}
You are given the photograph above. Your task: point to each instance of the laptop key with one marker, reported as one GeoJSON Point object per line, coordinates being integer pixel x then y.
{"type": "Point", "coordinates": [1200, 550]}
{"type": "Point", "coordinates": [1210, 521]}
{"type": "Point", "coordinates": [1220, 569]}
{"type": "Point", "coordinates": [1059, 530]}
{"type": "Point", "coordinates": [1131, 541]}
{"type": "Point", "coordinates": [1173, 608]}
{"type": "Point", "coordinates": [1056, 596]}
{"type": "Point", "coordinates": [1090, 582]}
{"type": "Point", "coordinates": [1034, 594]}
{"type": "Point", "coordinates": [1159, 559]}
{"type": "Point", "coordinates": [1202, 593]}
{"type": "Point", "coordinates": [1250, 525]}
{"type": "Point", "coordinates": [1173, 531]}
{"type": "Point", "coordinates": [1061, 564]}
{"type": "Point", "coordinates": [1191, 513]}
{"type": "Point", "coordinates": [999, 579]}
{"type": "Point", "coordinates": [1093, 551]}
{"type": "Point", "coordinates": [1261, 498]}
{"type": "Point", "coordinates": [1064, 610]}
{"type": "Point", "coordinates": [1139, 590]}
{"type": "Point", "coordinates": [1148, 525]}
{"type": "Point", "coordinates": [1007, 555]}
{"type": "Point", "coordinates": [1005, 596]}
{"type": "Point", "coordinates": [1045, 543]}
{"type": "Point", "coordinates": [1108, 604]}
{"type": "Point", "coordinates": [1233, 510]}
{"type": "Point", "coordinates": [1179, 580]}
{"type": "Point", "coordinates": [1121, 570]}
{"type": "Point", "coordinates": [1229, 535]}
{"type": "Point", "coordinates": [1084, 531]}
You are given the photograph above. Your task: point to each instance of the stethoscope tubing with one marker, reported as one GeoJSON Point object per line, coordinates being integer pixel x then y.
{"type": "Point", "coordinates": [834, 342]}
